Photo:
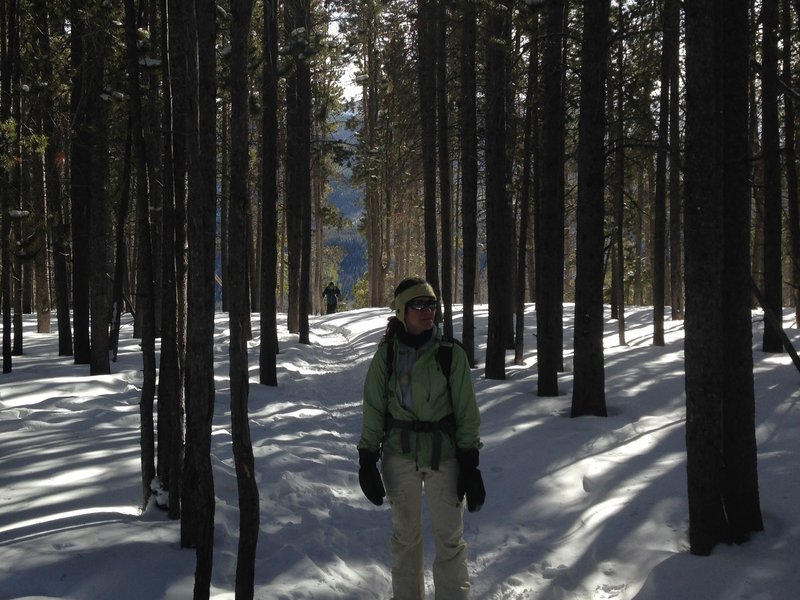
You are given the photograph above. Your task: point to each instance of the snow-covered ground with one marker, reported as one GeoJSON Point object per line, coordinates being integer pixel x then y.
{"type": "Point", "coordinates": [588, 508]}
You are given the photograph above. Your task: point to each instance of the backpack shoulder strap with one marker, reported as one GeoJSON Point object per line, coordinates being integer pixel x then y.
{"type": "Point", "coordinates": [445, 357]}
{"type": "Point", "coordinates": [389, 358]}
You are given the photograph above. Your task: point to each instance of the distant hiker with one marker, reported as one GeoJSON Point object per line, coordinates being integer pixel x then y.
{"type": "Point", "coordinates": [331, 295]}
{"type": "Point", "coordinates": [421, 418]}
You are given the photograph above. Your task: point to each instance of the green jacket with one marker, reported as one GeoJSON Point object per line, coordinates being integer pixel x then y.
{"type": "Point", "coordinates": [430, 400]}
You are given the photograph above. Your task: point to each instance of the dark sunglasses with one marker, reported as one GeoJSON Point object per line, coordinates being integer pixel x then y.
{"type": "Point", "coordinates": [421, 305]}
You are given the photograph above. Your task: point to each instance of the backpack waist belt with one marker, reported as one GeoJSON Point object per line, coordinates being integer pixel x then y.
{"type": "Point", "coordinates": [445, 425]}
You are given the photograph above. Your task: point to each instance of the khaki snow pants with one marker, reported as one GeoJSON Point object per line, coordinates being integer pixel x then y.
{"type": "Point", "coordinates": [404, 489]}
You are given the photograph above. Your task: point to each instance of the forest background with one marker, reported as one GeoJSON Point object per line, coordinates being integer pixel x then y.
{"type": "Point", "coordinates": [634, 152]}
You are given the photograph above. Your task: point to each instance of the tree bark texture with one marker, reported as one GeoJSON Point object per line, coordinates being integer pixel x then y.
{"type": "Point", "coordinates": [550, 214]}
{"type": "Point", "coordinates": [672, 33]}
{"type": "Point", "coordinates": [703, 238]}
{"type": "Point", "coordinates": [426, 23]}
{"type": "Point", "coordinates": [790, 153]}
{"type": "Point", "coordinates": [525, 202]}
{"type": "Point", "coordinates": [198, 482]}
{"type": "Point", "coordinates": [80, 167]}
{"type": "Point", "coordinates": [145, 267]}
{"type": "Point", "coordinates": [469, 175]}
{"type": "Point", "coordinates": [170, 377]}
{"type": "Point", "coordinates": [741, 496]}
{"type": "Point", "coordinates": [443, 133]}
{"type": "Point", "coordinates": [239, 299]}
{"type": "Point", "coordinates": [618, 299]}
{"type": "Point", "coordinates": [588, 395]}
{"type": "Point", "coordinates": [771, 151]}
{"type": "Point", "coordinates": [499, 256]}
{"type": "Point", "coordinates": [6, 195]}
{"type": "Point", "coordinates": [660, 200]}
{"type": "Point", "coordinates": [269, 199]}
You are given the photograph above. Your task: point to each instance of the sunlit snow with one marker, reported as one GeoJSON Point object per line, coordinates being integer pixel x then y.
{"type": "Point", "coordinates": [577, 509]}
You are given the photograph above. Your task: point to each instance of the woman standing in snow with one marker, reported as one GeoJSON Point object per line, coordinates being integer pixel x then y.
{"type": "Point", "coordinates": [424, 425]}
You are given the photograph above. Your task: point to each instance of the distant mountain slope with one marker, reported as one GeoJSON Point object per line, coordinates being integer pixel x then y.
{"type": "Point", "coordinates": [349, 200]}
{"type": "Point", "coordinates": [354, 263]}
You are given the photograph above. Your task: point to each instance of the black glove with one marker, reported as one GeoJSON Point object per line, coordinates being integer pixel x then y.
{"type": "Point", "coordinates": [369, 477]}
{"type": "Point", "coordinates": [470, 481]}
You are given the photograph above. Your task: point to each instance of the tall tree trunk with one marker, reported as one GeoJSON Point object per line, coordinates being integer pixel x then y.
{"type": "Point", "coordinates": [298, 159]}
{"type": "Point", "coordinates": [639, 236]}
{"type": "Point", "coordinates": [144, 267]}
{"type": "Point", "coordinates": [773, 280]}
{"type": "Point", "coordinates": [197, 523]}
{"type": "Point", "coordinates": [297, 163]}
{"type": "Point", "coordinates": [318, 183]}
{"type": "Point", "coordinates": [121, 248]}
{"type": "Point", "coordinates": [529, 142]}
{"type": "Point", "coordinates": [96, 137]}
{"type": "Point", "coordinates": [20, 276]}
{"type": "Point", "coordinates": [224, 201]}
{"type": "Point", "coordinates": [536, 174]}
{"type": "Point", "coordinates": [293, 209]}
{"type": "Point", "coordinates": [469, 175]}
{"type": "Point", "coordinates": [304, 187]}
{"type": "Point", "coordinates": [89, 170]}
{"type": "Point", "coordinates": [498, 202]}
{"type": "Point", "coordinates": [173, 332]}
{"type": "Point", "coordinates": [7, 13]}
{"type": "Point", "coordinates": [741, 498]}
{"type": "Point", "coordinates": [757, 176]}
{"type": "Point", "coordinates": [443, 131]}
{"type": "Point", "coordinates": [426, 23]}
{"type": "Point", "coordinates": [703, 234]}
{"type": "Point", "coordinates": [6, 279]}
{"type": "Point", "coordinates": [41, 276]}
{"type": "Point", "coordinates": [372, 198]}
{"type": "Point", "coordinates": [17, 266]}
{"type": "Point", "coordinates": [80, 167]}
{"type": "Point", "coordinates": [588, 395]}
{"type": "Point", "coordinates": [672, 32]}
{"type": "Point", "coordinates": [618, 286]}
{"type": "Point", "coordinates": [660, 204]}
{"type": "Point", "coordinates": [269, 198]}
{"type": "Point", "coordinates": [152, 123]}
{"type": "Point", "coordinates": [790, 152]}
{"type": "Point", "coordinates": [550, 214]}
{"type": "Point", "coordinates": [239, 298]}
{"type": "Point", "coordinates": [56, 231]}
